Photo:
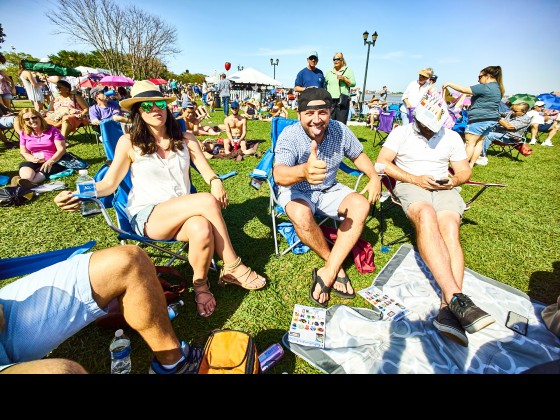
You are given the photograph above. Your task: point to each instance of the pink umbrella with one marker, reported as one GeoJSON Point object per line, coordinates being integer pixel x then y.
{"type": "Point", "coordinates": [116, 81]}
{"type": "Point", "coordinates": [88, 83]}
{"type": "Point", "coordinates": [467, 100]}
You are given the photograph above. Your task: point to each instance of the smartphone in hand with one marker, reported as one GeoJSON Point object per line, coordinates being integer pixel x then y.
{"type": "Point", "coordinates": [442, 181]}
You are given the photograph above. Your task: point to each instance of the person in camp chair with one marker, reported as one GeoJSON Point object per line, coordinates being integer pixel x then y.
{"type": "Point", "coordinates": [308, 155]}
{"type": "Point", "coordinates": [418, 159]}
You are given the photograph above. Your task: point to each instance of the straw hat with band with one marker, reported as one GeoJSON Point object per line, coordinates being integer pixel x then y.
{"type": "Point", "coordinates": [144, 90]}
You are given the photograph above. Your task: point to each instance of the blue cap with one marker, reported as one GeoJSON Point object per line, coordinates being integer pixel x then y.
{"type": "Point", "coordinates": [109, 93]}
{"type": "Point", "coordinates": [234, 104]}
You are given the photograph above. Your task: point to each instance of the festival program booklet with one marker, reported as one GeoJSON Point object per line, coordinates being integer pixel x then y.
{"type": "Point", "coordinates": [390, 306]}
{"type": "Point", "coordinates": [307, 326]}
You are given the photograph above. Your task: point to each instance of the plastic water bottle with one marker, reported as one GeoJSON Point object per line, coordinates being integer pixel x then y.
{"type": "Point", "coordinates": [120, 353]}
{"type": "Point", "coordinates": [270, 356]}
{"type": "Point", "coordinates": [173, 309]}
{"type": "Point", "coordinates": [85, 185]}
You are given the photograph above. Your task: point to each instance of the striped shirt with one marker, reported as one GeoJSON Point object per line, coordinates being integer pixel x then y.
{"type": "Point", "coordinates": [293, 148]}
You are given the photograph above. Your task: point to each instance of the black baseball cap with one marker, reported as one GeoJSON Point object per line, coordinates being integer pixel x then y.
{"type": "Point", "coordinates": [314, 94]}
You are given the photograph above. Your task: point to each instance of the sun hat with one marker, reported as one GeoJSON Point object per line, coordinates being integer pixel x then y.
{"type": "Point", "coordinates": [425, 73]}
{"type": "Point", "coordinates": [313, 54]}
{"type": "Point", "coordinates": [144, 90]}
{"type": "Point", "coordinates": [314, 94]}
{"type": "Point", "coordinates": [539, 103]}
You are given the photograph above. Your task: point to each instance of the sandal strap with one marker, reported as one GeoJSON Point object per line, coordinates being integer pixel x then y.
{"type": "Point", "coordinates": [233, 265]}
{"type": "Point", "coordinates": [244, 278]}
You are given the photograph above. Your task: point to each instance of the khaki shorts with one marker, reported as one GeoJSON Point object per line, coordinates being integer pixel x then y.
{"type": "Point", "coordinates": [441, 200]}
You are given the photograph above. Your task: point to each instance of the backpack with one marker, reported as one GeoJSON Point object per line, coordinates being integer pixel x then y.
{"type": "Point", "coordinates": [230, 352]}
{"type": "Point", "coordinates": [15, 196]}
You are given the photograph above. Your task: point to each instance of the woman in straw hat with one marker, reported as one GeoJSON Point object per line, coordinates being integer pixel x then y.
{"type": "Point", "coordinates": [160, 205]}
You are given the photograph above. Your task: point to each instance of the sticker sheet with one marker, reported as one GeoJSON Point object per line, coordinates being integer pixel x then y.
{"type": "Point", "coordinates": [391, 308]}
{"type": "Point", "coordinates": [307, 326]}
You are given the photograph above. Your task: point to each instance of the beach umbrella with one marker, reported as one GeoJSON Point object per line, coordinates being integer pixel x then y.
{"type": "Point", "coordinates": [523, 97]}
{"type": "Point", "coordinates": [50, 69]}
{"type": "Point", "coordinates": [116, 81]}
{"type": "Point", "coordinates": [157, 81]}
{"type": "Point", "coordinates": [88, 84]}
{"type": "Point", "coordinates": [550, 101]}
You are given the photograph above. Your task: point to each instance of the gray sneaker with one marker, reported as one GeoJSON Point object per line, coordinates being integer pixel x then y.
{"type": "Point", "coordinates": [448, 325]}
{"type": "Point", "coordinates": [471, 317]}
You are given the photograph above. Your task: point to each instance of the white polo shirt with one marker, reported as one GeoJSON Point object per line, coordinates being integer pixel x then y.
{"type": "Point", "coordinates": [419, 156]}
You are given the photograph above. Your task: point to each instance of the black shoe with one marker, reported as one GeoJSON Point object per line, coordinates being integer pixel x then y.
{"type": "Point", "coordinates": [448, 325]}
{"type": "Point", "coordinates": [471, 317]}
{"type": "Point", "coordinates": [26, 183]}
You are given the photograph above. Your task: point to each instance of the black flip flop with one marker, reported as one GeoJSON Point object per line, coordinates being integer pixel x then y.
{"type": "Point", "coordinates": [343, 295]}
{"type": "Point", "coordinates": [324, 288]}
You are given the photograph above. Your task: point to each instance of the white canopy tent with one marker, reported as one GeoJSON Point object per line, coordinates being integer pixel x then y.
{"type": "Point", "coordinates": [252, 76]}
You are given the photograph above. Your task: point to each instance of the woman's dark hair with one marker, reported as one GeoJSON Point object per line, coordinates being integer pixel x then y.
{"type": "Point", "coordinates": [65, 84]}
{"type": "Point", "coordinates": [496, 73]}
{"type": "Point", "coordinates": [142, 138]}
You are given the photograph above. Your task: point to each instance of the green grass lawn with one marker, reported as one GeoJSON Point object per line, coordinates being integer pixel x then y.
{"type": "Point", "coordinates": [508, 235]}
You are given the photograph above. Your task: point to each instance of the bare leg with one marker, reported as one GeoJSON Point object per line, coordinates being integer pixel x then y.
{"type": "Point", "coordinates": [534, 132]}
{"type": "Point", "coordinates": [30, 174]}
{"type": "Point", "coordinates": [168, 218]}
{"type": "Point", "coordinates": [227, 146]}
{"type": "Point", "coordinates": [472, 141]}
{"type": "Point", "coordinates": [127, 273]}
{"type": "Point", "coordinates": [355, 208]}
{"type": "Point", "coordinates": [433, 248]}
{"type": "Point", "coordinates": [46, 366]}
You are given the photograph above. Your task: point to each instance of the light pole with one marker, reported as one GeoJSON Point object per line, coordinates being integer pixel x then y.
{"type": "Point", "coordinates": [272, 63]}
{"type": "Point", "coordinates": [369, 44]}
{"type": "Point", "coordinates": [239, 68]}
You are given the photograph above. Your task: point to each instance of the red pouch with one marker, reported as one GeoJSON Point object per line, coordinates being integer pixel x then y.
{"type": "Point", "coordinates": [362, 251]}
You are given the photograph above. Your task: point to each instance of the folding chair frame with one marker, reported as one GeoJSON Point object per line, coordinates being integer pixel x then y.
{"type": "Point", "coordinates": [505, 147]}
{"type": "Point", "coordinates": [392, 200]}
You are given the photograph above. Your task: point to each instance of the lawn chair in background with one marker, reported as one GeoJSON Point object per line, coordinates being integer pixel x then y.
{"type": "Point", "coordinates": [396, 108]}
{"type": "Point", "coordinates": [21, 266]}
{"type": "Point", "coordinates": [263, 173]}
{"type": "Point", "coordinates": [513, 144]}
{"type": "Point", "coordinates": [386, 121]}
{"type": "Point", "coordinates": [389, 200]}
{"type": "Point", "coordinates": [111, 131]}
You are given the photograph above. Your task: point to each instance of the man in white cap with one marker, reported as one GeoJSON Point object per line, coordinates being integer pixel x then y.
{"type": "Point", "coordinates": [540, 122]}
{"type": "Point", "coordinates": [310, 76]}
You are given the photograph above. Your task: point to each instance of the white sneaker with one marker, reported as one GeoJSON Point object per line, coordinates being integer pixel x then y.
{"type": "Point", "coordinates": [533, 141]}
{"type": "Point", "coordinates": [547, 143]}
{"type": "Point", "coordinates": [482, 161]}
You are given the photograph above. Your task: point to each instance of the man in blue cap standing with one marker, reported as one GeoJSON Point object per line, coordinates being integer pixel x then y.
{"type": "Point", "coordinates": [310, 76]}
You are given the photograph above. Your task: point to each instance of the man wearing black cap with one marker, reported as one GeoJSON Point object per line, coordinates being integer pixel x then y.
{"type": "Point", "coordinates": [308, 155]}
{"type": "Point", "coordinates": [310, 76]}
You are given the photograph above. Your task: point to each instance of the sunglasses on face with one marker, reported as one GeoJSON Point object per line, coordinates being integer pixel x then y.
{"type": "Point", "coordinates": [234, 108]}
{"type": "Point", "coordinates": [148, 105]}
{"type": "Point", "coordinates": [34, 117]}
{"type": "Point", "coordinates": [480, 76]}
{"type": "Point", "coordinates": [313, 59]}
{"type": "Point", "coordinates": [336, 59]}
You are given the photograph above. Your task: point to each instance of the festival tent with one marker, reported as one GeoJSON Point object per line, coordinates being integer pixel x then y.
{"type": "Point", "coordinates": [252, 76]}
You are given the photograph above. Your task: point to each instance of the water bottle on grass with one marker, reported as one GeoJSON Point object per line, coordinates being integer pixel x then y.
{"type": "Point", "coordinates": [120, 353]}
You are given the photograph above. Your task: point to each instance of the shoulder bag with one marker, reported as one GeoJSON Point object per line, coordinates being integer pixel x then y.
{"type": "Point", "coordinates": [343, 100]}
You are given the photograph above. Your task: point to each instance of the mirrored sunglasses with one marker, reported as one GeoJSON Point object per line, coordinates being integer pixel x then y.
{"type": "Point", "coordinates": [148, 105]}
{"type": "Point", "coordinates": [34, 117]}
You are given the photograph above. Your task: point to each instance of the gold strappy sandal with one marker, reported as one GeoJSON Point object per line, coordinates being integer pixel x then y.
{"type": "Point", "coordinates": [247, 280]}
{"type": "Point", "coordinates": [202, 283]}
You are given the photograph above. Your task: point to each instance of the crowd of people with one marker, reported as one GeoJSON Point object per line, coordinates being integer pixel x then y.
{"type": "Point", "coordinates": [158, 155]}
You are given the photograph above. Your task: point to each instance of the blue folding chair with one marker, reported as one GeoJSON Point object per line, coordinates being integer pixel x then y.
{"type": "Point", "coordinates": [21, 266]}
{"type": "Point", "coordinates": [263, 173]}
{"type": "Point", "coordinates": [386, 120]}
{"type": "Point", "coordinates": [396, 108]}
{"type": "Point", "coordinates": [111, 132]}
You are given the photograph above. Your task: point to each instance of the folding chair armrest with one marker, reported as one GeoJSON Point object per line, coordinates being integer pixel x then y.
{"type": "Point", "coordinates": [353, 172]}
{"type": "Point", "coordinates": [484, 186]}
{"type": "Point", "coordinates": [103, 212]}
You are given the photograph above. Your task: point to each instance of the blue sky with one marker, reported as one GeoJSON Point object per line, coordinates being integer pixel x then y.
{"type": "Point", "coordinates": [456, 38]}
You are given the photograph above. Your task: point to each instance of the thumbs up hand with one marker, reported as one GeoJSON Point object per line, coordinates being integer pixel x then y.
{"type": "Point", "coordinates": [315, 169]}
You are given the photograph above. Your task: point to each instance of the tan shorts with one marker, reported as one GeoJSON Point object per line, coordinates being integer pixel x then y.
{"type": "Point", "coordinates": [441, 200]}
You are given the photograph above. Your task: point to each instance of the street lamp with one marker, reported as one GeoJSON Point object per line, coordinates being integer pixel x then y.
{"type": "Point", "coordinates": [239, 68]}
{"type": "Point", "coordinates": [272, 63]}
{"type": "Point", "coordinates": [369, 44]}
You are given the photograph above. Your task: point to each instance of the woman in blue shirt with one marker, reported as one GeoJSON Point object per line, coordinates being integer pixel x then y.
{"type": "Point", "coordinates": [483, 113]}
